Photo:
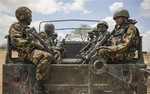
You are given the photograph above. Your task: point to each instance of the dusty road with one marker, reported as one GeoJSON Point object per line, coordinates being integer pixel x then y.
{"type": "Point", "coordinates": [2, 59]}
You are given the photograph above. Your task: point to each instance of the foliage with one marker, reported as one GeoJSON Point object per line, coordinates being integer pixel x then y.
{"type": "Point", "coordinates": [80, 33]}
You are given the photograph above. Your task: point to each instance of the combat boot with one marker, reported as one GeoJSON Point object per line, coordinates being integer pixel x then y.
{"type": "Point", "coordinates": [38, 87]}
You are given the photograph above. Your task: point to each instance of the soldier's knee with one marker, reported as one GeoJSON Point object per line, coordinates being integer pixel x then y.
{"type": "Point", "coordinates": [48, 56]}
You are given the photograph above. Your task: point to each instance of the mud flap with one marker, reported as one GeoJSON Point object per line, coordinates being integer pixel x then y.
{"type": "Point", "coordinates": [18, 78]}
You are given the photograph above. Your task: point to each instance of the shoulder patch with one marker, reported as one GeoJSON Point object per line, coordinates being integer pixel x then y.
{"type": "Point", "coordinates": [16, 26]}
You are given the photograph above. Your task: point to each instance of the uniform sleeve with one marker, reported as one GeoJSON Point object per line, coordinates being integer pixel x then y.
{"type": "Point", "coordinates": [17, 37]}
{"type": "Point", "coordinates": [128, 38]}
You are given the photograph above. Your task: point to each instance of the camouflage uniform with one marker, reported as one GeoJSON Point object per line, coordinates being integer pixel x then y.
{"type": "Point", "coordinates": [102, 27]}
{"type": "Point", "coordinates": [27, 47]}
{"type": "Point", "coordinates": [91, 42]}
{"type": "Point", "coordinates": [49, 41]}
{"type": "Point", "coordinates": [122, 41]}
{"type": "Point", "coordinates": [54, 39]}
{"type": "Point", "coordinates": [90, 36]}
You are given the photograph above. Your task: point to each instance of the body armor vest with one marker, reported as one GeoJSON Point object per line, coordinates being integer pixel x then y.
{"type": "Point", "coordinates": [119, 34]}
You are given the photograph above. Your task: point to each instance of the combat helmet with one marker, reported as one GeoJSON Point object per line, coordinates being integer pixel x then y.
{"type": "Point", "coordinates": [22, 13]}
{"type": "Point", "coordinates": [121, 12]}
{"type": "Point", "coordinates": [94, 29]}
{"type": "Point", "coordinates": [90, 35]}
{"type": "Point", "coordinates": [49, 27]}
{"type": "Point", "coordinates": [102, 22]}
{"type": "Point", "coordinates": [55, 34]}
{"type": "Point", "coordinates": [90, 32]}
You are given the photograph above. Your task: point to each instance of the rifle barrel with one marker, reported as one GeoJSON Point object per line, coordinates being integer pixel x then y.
{"type": "Point", "coordinates": [34, 33]}
{"type": "Point", "coordinates": [89, 55]}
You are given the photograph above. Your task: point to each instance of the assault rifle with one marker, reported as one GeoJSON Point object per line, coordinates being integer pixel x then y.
{"type": "Point", "coordinates": [93, 51]}
{"type": "Point", "coordinates": [85, 49]}
{"type": "Point", "coordinates": [33, 32]}
{"type": "Point", "coordinates": [62, 48]}
{"type": "Point", "coordinates": [63, 41]}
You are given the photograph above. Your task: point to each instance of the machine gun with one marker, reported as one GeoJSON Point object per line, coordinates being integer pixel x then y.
{"type": "Point", "coordinates": [93, 51]}
{"type": "Point", "coordinates": [33, 32]}
{"type": "Point", "coordinates": [85, 49]}
{"type": "Point", "coordinates": [63, 41]}
{"type": "Point", "coordinates": [61, 47]}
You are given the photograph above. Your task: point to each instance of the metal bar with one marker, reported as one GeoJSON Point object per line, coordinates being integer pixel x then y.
{"type": "Point", "coordinates": [118, 78]}
{"type": "Point", "coordinates": [72, 28]}
{"type": "Point", "coordinates": [70, 20]}
{"type": "Point", "coordinates": [67, 20]}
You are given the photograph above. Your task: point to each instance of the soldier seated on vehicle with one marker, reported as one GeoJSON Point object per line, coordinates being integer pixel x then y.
{"type": "Point", "coordinates": [95, 33]}
{"type": "Point", "coordinates": [123, 40]}
{"type": "Point", "coordinates": [90, 35]}
{"type": "Point", "coordinates": [54, 39]}
{"type": "Point", "coordinates": [102, 27]}
{"type": "Point", "coordinates": [55, 44]}
{"type": "Point", "coordinates": [47, 36]}
{"type": "Point", "coordinates": [101, 31]}
{"type": "Point", "coordinates": [91, 43]}
{"type": "Point", "coordinates": [29, 49]}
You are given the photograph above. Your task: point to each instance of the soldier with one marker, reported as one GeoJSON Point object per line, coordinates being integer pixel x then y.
{"type": "Point", "coordinates": [90, 36]}
{"type": "Point", "coordinates": [28, 49]}
{"type": "Point", "coordinates": [102, 27]}
{"type": "Point", "coordinates": [123, 39]}
{"type": "Point", "coordinates": [49, 34]}
{"type": "Point", "coordinates": [54, 39]}
{"type": "Point", "coordinates": [95, 32]}
{"type": "Point", "coordinates": [91, 43]}
{"type": "Point", "coordinates": [49, 31]}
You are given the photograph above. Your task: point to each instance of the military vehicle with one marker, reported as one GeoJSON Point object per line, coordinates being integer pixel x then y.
{"type": "Point", "coordinates": [94, 76]}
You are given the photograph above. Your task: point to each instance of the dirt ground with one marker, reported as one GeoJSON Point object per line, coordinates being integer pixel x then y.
{"type": "Point", "coordinates": [2, 59]}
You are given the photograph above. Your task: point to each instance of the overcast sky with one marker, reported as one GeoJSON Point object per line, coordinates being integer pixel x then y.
{"type": "Point", "coordinates": [77, 9]}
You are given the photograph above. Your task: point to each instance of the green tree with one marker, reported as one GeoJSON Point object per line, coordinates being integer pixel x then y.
{"type": "Point", "coordinates": [82, 31]}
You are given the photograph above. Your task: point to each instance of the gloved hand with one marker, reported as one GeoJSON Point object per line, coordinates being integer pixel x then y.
{"type": "Point", "coordinates": [101, 47]}
{"type": "Point", "coordinates": [59, 49]}
{"type": "Point", "coordinates": [109, 48]}
{"type": "Point", "coordinates": [39, 46]}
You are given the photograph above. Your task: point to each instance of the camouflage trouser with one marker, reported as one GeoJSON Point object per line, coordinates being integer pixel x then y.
{"type": "Point", "coordinates": [103, 53]}
{"type": "Point", "coordinates": [57, 56]}
{"type": "Point", "coordinates": [42, 61]}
